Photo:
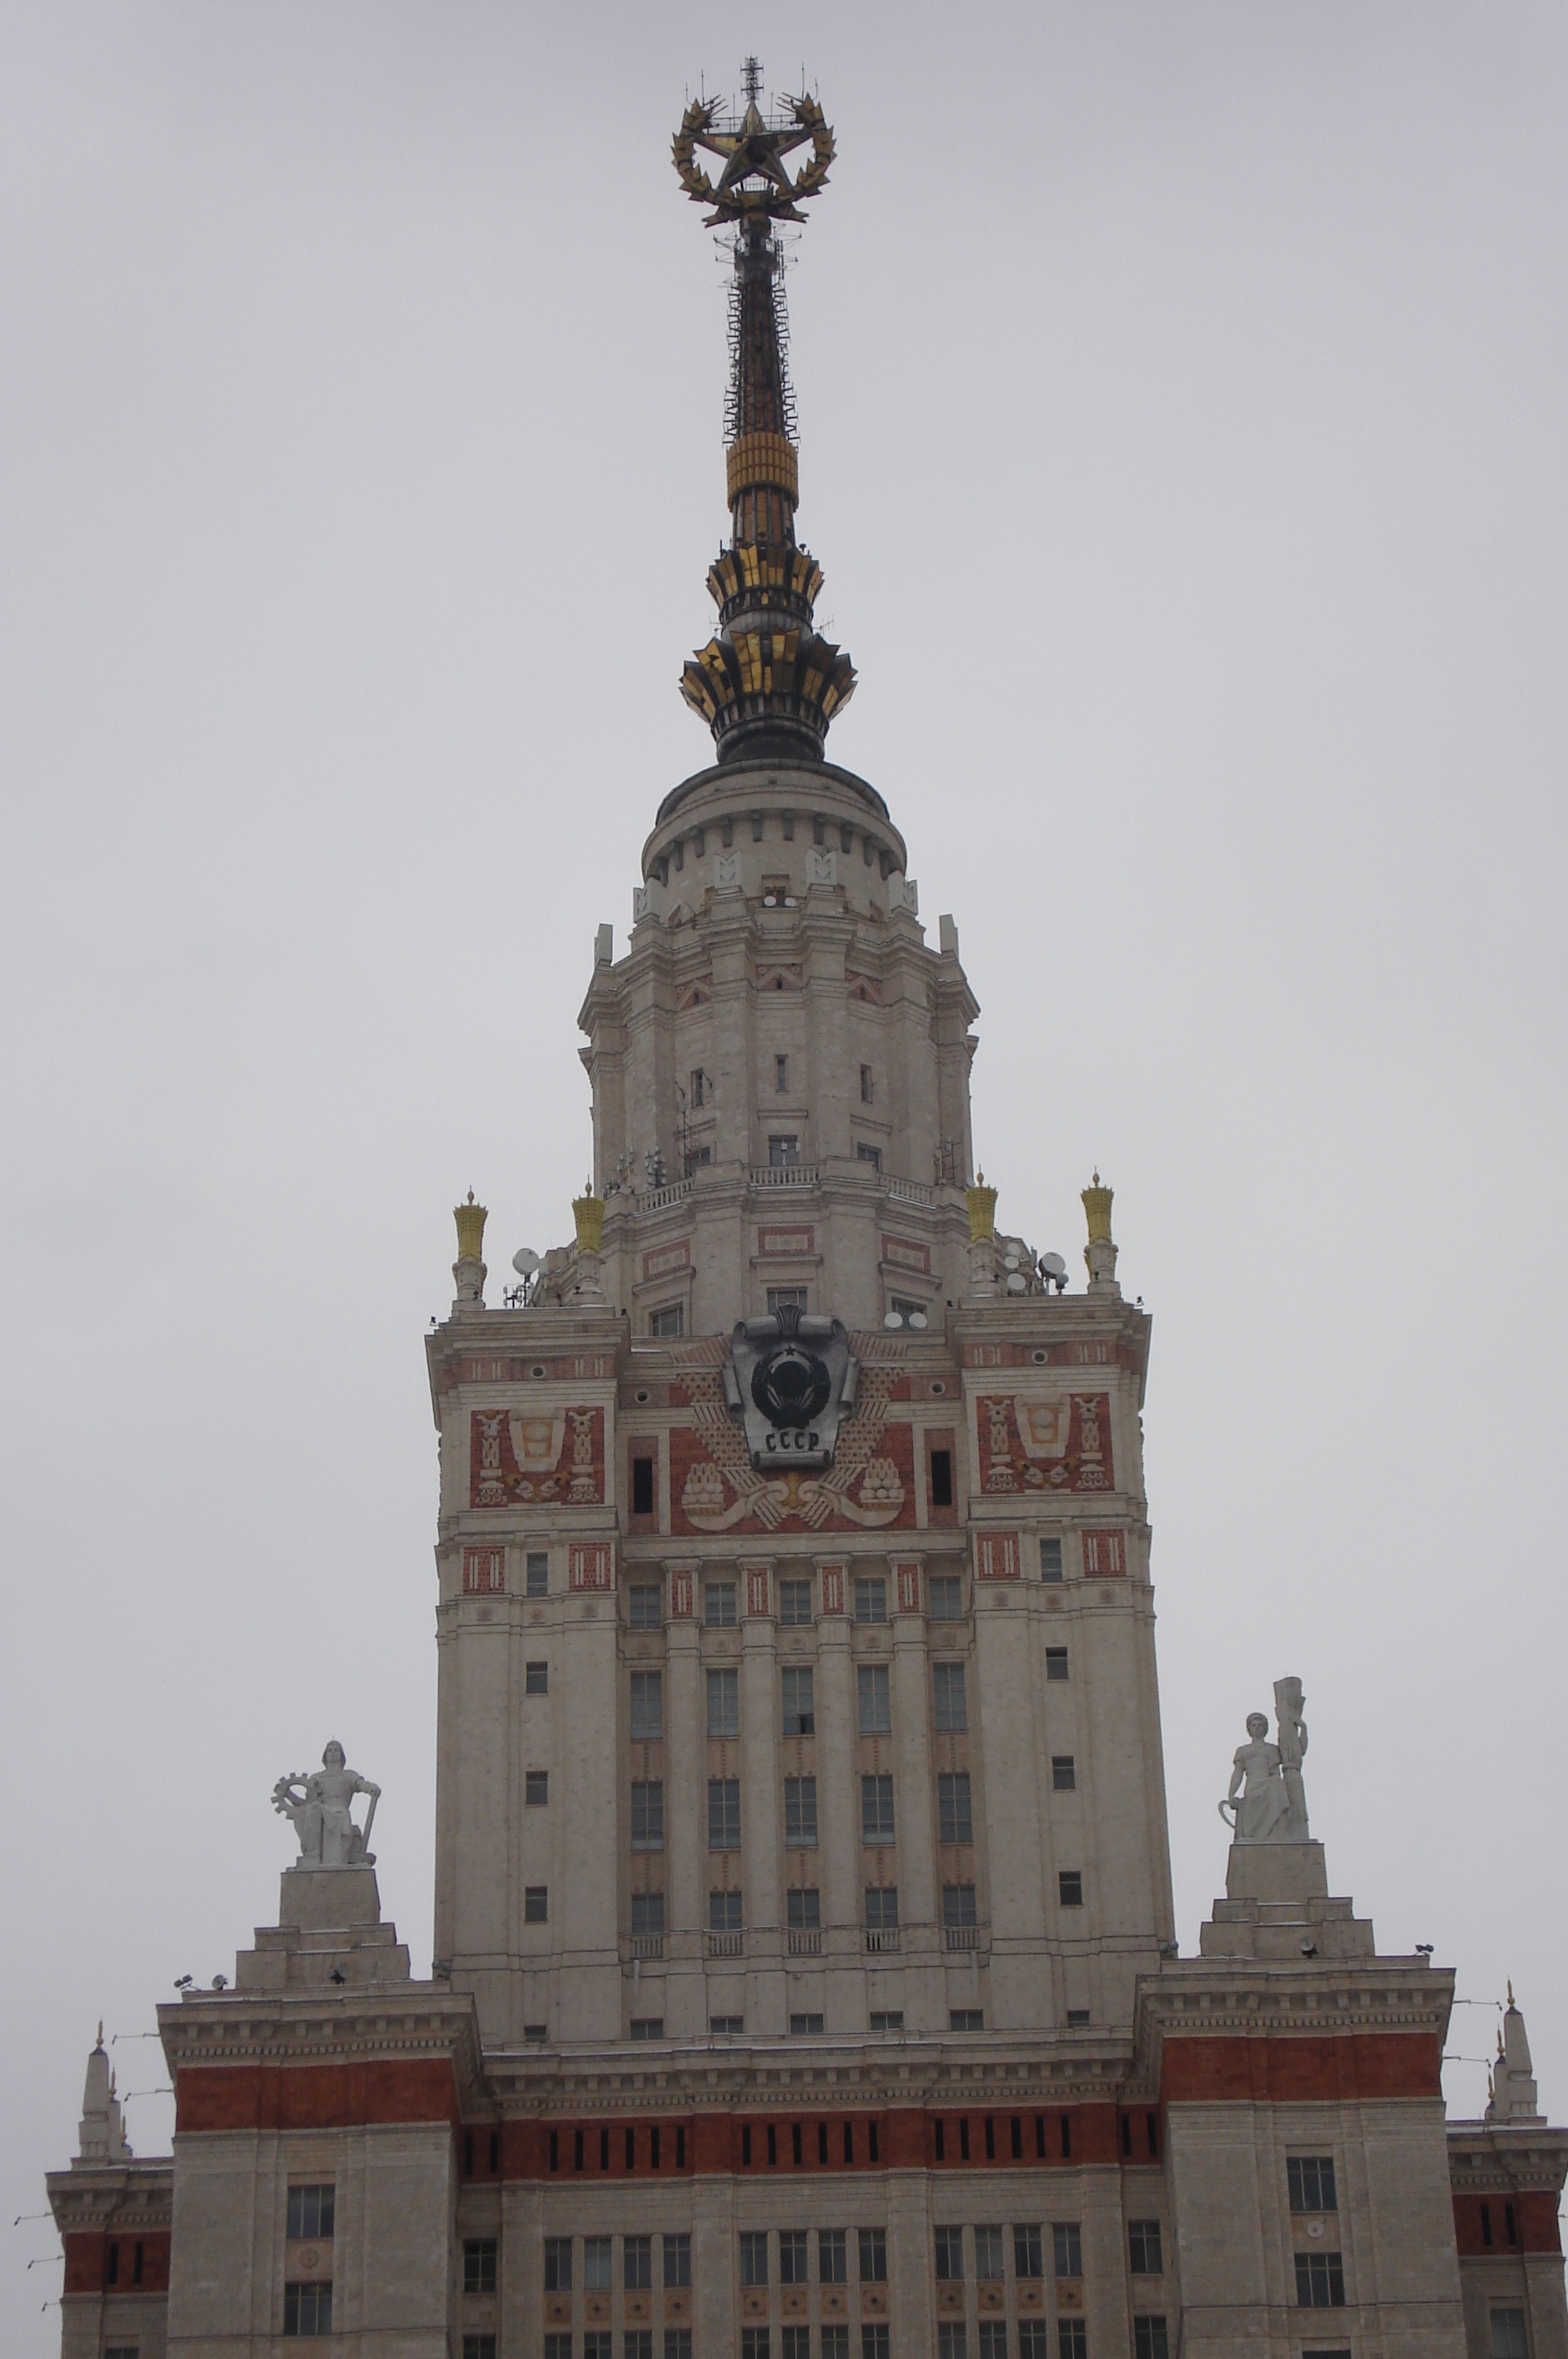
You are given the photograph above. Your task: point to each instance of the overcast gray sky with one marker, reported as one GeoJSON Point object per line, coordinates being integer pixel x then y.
{"type": "Point", "coordinates": [1182, 391]}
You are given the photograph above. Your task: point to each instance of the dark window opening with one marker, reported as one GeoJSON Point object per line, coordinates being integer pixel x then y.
{"type": "Point", "coordinates": [642, 1486]}
{"type": "Point", "coordinates": [942, 1478]}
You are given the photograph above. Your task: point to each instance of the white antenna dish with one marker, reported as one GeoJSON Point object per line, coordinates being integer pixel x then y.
{"type": "Point", "coordinates": [1017, 1282]}
{"type": "Point", "coordinates": [919, 1319]}
{"type": "Point", "coordinates": [524, 1262]}
{"type": "Point", "coordinates": [1011, 1260]}
{"type": "Point", "coordinates": [1054, 1263]}
{"type": "Point", "coordinates": [892, 1319]}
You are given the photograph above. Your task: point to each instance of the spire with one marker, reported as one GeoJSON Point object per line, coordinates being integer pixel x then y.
{"type": "Point", "coordinates": [768, 684]}
{"type": "Point", "coordinates": [100, 2138]}
{"type": "Point", "coordinates": [1515, 2097]}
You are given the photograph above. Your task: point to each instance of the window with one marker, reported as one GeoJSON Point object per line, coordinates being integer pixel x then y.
{"type": "Point", "coordinates": [719, 1604]}
{"type": "Point", "coordinates": [992, 2338]}
{"type": "Point", "coordinates": [642, 1486]}
{"type": "Point", "coordinates": [698, 1088]}
{"type": "Point", "coordinates": [724, 1912]}
{"type": "Point", "coordinates": [946, 1591]}
{"type": "Point", "coordinates": [637, 2259]}
{"type": "Point", "coordinates": [647, 1814]}
{"type": "Point", "coordinates": [791, 2257]}
{"type": "Point", "coordinates": [799, 1810]}
{"type": "Point", "coordinates": [800, 1706]}
{"type": "Point", "coordinates": [803, 1913]}
{"type": "Point", "coordinates": [479, 2264]}
{"type": "Point", "coordinates": [723, 1814]}
{"type": "Point", "coordinates": [952, 1708]}
{"type": "Point", "coordinates": [1027, 2257]}
{"type": "Point", "coordinates": [1144, 2248]}
{"type": "Point", "coordinates": [536, 1578]}
{"type": "Point", "coordinates": [479, 2346]}
{"type": "Point", "coordinates": [1066, 2248]}
{"type": "Point", "coordinates": [671, 1321]}
{"type": "Point", "coordinates": [727, 2027]}
{"type": "Point", "coordinates": [875, 2342]}
{"type": "Point", "coordinates": [989, 2263]}
{"type": "Point", "coordinates": [881, 1908]}
{"type": "Point", "coordinates": [645, 1605]}
{"type": "Point", "coordinates": [723, 1703]}
{"type": "Point", "coordinates": [308, 2309]}
{"type": "Point", "coordinates": [966, 2018]}
{"type": "Point", "coordinates": [784, 1151]}
{"type": "Point", "coordinates": [866, 1096]}
{"type": "Point", "coordinates": [754, 2256]}
{"type": "Point", "coordinates": [797, 2342]}
{"type": "Point", "coordinates": [833, 2267]}
{"type": "Point", "coordinates": [648, 1707]}
{"type": "Point", "coordinates": [888, 2018]}
{"type": "Point", "coordinates": [872, 2255]}
{"type": "Point", "coordinates": [1051, 1560]}
{"type": "Point", "coordinates": [781, 1072]}
{"type": "Point", "coordinates": [1149, 2340]}
{"type": "Point", "coordinates": [596, 2263]}
{"type": "Point", "coordinates": [870, 1599]}
{"type": "Point", "coordinates": [647, 1913]}
{"type": "Point", "coordinates": [1064, 1773]}
{"type": "Point", "coordinates": [805, 2027]}
{"type": "Point", "coordinates": [1056, 1663]}
{"type": "Point", "coordinates": [794, 1602]}
{"type": "Point", "coordinates": [877, 1809]}
{"type": "Point", "coordinates": [942, 1478]}
{"type": "Point", "coordinates": [872, 1155]}
{"type": "Point", "coordinates": [951, 2341]}
{"type": "Point", "coordinates": [676, 2342]}
{"type": "Point", "coordinates": [1320, 2281]}
{"type": "Point", "coordinates": [1508, 2334]}
{"type": "Point", "coordinates": [536, 1788]}
{"type": "Point", "coordinates": [835, 2342]}
{"type": "Point", "coordinates": [1310, 2180]}
{"type": "Point", "coordinates": [956, 1823]}
{"type": "Point", "coordinates": [754, 2343]}
{"type": "Point", "coordinates": [311, 2211]}
{"type": "Point", "coordinates": [536, 1904]}
{"type": "Point", "coordinates": [648, 2027]}
{"type": "Point", "coordinates": [536, 1679]}
{"type": "Point", "coordinates": [958, 1904]}
{"type": "Point", "coordinates": [1077, 2019]}
{"type": "Point", "coordinates": [784, 1297]}
{"type": "Point", "coordinates": [535, 2034]}
{"type": "Point", "coordinates": [637, 2342]}
{"type": "Point", "coordinates": [1069, 1888]}
{"type": "Point", "coordinates": [876, 1703]}
{"type": "Point", "coordinates": [677, 2258]}
{"type": "Point", "coordinates": [558, 2265]}
{"type": "Point", "coordinates": [1072, 2339]}
{"type": "Point", "coordinates": [597, 2345]}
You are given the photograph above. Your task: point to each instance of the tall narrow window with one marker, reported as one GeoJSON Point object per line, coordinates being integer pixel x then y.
{"type": "Point", "coordinates": [800, 1707]}
{"type": "Point", "coordinates": [1067, 2248]}
{"type": "Point", "coordinates": [723, 1703]}
{"type": "Point", "coordinates": [536, 1582]}
{"type": "Point", "coordinates": [794, 1602]}
{"type": "Point", "coordinates": [1064, 1773]}
{"type": "Point", "coordinates": [942, 1478]}
{"type": "Point", "coordinates": [800, 1811]}
{"type": "Point", "coordinates": [536, 1788]}
{"type": "Point", "coordinates": [647, 1814]}
{"type": "Point", "coordinates": [648, 1707]}
{"type": "Point", "coordinates": [874, 1699]}
{"type": "Point", "coordinates": [877, 1809]}
{"type": "Point", "coordinates": [719, 1604]}
{"type": "Point", "coordinates": [955, 1820]}
{"type": "Point", "coordinates": [647, 1915]}
{"type": "Point", "coordinates": [952, 1706]}
{"type": "Point", "coordinates": [642, 1486]}
{"type": "Point", "coordinates": [698, 1088]}
{"type": "Point", "coordinates": [1145, 2248]}
{"type": "Point", "coordinates": [1051, 1560]}
{"type": "Point", "coordinates": [870, 1598]}
{"type": "Point", "coordinates": [946, 1593]}
{"type": "Point", "coordinates": [866, 1092]}
{"type": "Point", "coordinates": [781, 1072]}
{"type": "Point", "coordinates": [723, 1814]}
{"type": "Point", "coordinates": [645, 1603]}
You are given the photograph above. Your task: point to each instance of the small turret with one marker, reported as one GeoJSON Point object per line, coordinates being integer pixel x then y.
{"type": "Point", "coordinates": [1514, 2093]}
{"type": "Point", "coordinates": [468, 1270]}
{"type": "Point", "coordinates": [1100, 1253]}
{"type": "Point", "coordinates": [100, 2138]}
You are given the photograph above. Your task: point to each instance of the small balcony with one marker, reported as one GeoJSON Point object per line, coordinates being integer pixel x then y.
{"type": "Point", "coordinates": [880, 1939]}
{"type": "Point", "coordinates": [647, 1945]}
{"type": "Point", "coordinates": [726, 1945]}
{"type": "Point", "coordinates": [961, 1937]}
{"type": "Point", "coordinates": [805, 1943]}
{"type": "Point", "coordinates": [783, 1175]}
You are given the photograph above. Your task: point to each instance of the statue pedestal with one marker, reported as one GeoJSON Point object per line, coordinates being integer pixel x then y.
{"type": "Point", "coordinates": [1278, 1905]}
{"type": "Point", "coordinates": [329, 1936]}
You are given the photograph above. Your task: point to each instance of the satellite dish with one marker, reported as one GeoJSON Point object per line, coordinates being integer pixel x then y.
{"type": "Point", "coordinates": [1011, 1260]}
{"type": "Point", "coordinates": [1017, 1283]}
{"type": "Point", "coordinates": [893, 1318]}
{"type": "Point", "coordinates": [1053, 1263]}
{"type": "Point", "coordinates": [524, 1262]}
{"type": "Point", "coordinates": [919, 1319]}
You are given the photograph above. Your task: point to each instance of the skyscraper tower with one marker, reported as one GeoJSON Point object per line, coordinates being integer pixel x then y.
{"type": "Point", "coordinates": [805, 1981]}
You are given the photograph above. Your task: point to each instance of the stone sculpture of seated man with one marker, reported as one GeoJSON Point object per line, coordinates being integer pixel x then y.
{"type": "Point", "coordinates": [318, 1809]}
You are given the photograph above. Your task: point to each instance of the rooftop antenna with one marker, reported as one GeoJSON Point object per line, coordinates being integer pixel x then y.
{"type": "Point", "coordinates": [751, 79]}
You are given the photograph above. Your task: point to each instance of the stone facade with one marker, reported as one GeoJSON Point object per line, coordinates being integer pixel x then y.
{"type": "Point", "coordinates": [806, 1983]}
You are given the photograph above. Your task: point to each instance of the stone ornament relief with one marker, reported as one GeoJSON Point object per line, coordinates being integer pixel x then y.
{"type": "Point", "coordinates": [1267, 1802]}
{"type": "Point", "coordinates": [865, 1484]}
{"type": "Point", "coordinates": [317, 1806]}
{"type": "Point", "coordinates": [556, 1455]}
{"type": "Point", "coordinates": [1038, 1443]}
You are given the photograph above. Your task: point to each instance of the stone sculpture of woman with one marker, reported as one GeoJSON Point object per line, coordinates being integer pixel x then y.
{"type": "Point", "coordinates": [318, 1809]}
{"type": "Point", "coordinates": [1260, 1814]}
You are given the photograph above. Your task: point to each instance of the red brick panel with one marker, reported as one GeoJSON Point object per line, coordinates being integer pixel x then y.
{"type": "Point", "coordinates": [312, 2096]}
{"type": "Point", "coordinates": [1535, 2228]}
{"type": "Point", "coordinates": [85, 2261]}
{"type": "Point", "coordinates": [729, 2145]}
{"type": "Point", "coordinates": [1327, 2070]}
